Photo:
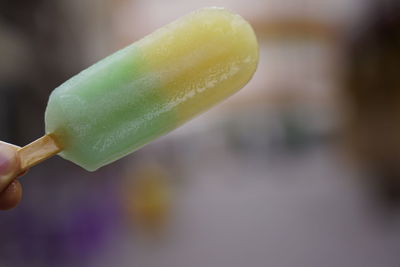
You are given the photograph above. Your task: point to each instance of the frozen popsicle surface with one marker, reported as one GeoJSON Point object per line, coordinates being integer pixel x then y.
{"type": "Point", "coordinates": [151, 87]}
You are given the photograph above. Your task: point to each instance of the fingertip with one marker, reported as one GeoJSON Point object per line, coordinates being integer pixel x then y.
{"type": "Point", "coordinates": [11, 196]}
{"type": "Point", "coordinates": [8, 159]}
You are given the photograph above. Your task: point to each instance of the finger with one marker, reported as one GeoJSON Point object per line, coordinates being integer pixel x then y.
{"type": "Point", "coordinates": [11, 196]}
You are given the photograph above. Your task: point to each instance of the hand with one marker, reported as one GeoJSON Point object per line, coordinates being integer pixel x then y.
{"type": "Point", "coordinates": [10, 188]}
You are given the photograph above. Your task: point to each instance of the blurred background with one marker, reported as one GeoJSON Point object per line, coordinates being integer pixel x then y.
{"type": "Point", "coordinates": [300, 168]}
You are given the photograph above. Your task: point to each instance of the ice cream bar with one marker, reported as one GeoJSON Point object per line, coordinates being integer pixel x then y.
{"type": "Point", "coordinates": [151, 87]}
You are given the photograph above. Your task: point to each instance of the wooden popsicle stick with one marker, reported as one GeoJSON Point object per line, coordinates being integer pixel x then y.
{"type": "Point", "coordinates": [38, 151]}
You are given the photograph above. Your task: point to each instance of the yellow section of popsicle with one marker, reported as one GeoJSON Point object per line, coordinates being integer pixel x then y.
{"type": "Point", "coordinates": [202, 61]}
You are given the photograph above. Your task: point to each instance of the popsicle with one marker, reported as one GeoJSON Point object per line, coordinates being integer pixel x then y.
{"type": "Point", "coordinates": [147, 89]}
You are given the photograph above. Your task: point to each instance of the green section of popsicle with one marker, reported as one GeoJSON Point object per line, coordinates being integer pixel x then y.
{"type": "Point", "coordinates": [106, 110]}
